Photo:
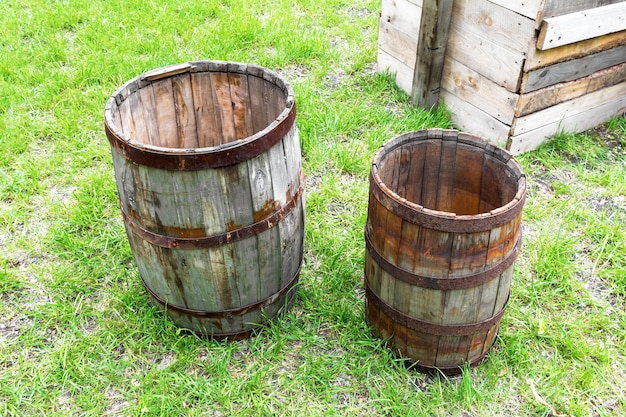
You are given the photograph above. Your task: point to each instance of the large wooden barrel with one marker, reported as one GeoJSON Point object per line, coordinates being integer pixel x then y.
{"type": "Point", "coordinates": [442, 234]}
{"type": "Point", "coordinates": [208, 169]}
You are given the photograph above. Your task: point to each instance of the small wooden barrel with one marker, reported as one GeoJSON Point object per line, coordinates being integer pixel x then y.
{"type": "Point", "coordinates": [209, 174]}
{"type": "Point", "coordinates": [442, 234]}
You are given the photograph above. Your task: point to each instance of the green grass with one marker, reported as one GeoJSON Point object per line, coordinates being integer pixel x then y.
{"type": "Point", "coordinates": [77, 333]}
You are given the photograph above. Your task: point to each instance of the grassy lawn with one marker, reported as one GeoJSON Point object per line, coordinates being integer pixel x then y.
{"type": "Point", "coordinates": [77, 333]}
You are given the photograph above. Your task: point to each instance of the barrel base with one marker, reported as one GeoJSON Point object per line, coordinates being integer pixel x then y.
{"type": "Point", "coordinates": [218, 325]}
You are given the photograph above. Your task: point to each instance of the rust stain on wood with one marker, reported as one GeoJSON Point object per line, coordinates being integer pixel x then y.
{"type": "Point", "coordinates": [268, 208]}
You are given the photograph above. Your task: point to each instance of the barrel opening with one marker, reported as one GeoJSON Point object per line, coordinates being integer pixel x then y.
{"type": "Point", "coordinates": [193, 109]}
{"type": "Point", "coordinates": [449, 176]}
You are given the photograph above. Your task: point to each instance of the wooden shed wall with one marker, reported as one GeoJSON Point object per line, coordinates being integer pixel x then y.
{"type": "Point", "coordinates": [496, 81]}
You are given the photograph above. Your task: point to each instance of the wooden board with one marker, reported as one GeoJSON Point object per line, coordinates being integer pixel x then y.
{"type": "Point", "coordinates": [477, 90]}
{"type": "Point", "coordinates": [494, 23]}
{"type": "Point", "coordinates": [538, 58]}
{"type": "Point", "coordinates": [528, 8]}
{"type": "Point", "coordinates": [405, 15]}
{"type": "Point", "coordinates": [582, 116]}
{"type": "Point", "coordinates": [550, 96]}
{"type": "Point", "coordinates": [397, 43]}
{"type": "Point", "coordinates": [469, 118]}
{"type": "Point", "coordinates": [566, 109]}
{"type": "Point", "coordinates": [578, 26]}
{"type": "Point", "coordinates": [551, 8]}
{"type": "Point", "coordinates": [500, 65]}
{"type": "Point", "coordinates": [403, 73]}
{"type": "Point", "coordinates": [431, 50]}
{"type": "Point", "coordinates": [571, 70]}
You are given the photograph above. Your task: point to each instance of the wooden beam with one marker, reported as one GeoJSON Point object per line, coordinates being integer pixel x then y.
{"type": "Point", "coordinates": [431, 51]}
{"type": "Point", "coordinates": [578, 26]}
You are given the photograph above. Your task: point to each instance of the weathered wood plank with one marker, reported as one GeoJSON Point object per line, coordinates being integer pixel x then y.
{"type": "Point", "coordinates": [497, 24]}
{"type": "Point", "coordinates": [403, 73]}
{"type": "Point", "coordinates": [552, 8]}
{"type": "Point", "coordinates": [292, 227]}
{"type": "Point", "coordinates": [470, 118]}
{"type": "Point", "coordinates": [498, 64]}
{"type": "Point", "coordinates": [267, 242]}
{"type": "Point", "coordinates": [571, 70]}
{"type": "Point", "coordinates": [223, 104]}
{"type": "Point", "coordinates": [258, 105]}
{"type": "Point", "coordinates": [578, 26]}
{"type": "Point", "coordinates": [127, 124]}
{"type": "Point", "coordinates": [397, 43]}
{"type": "Point", "coordinates": [185, 111]}
{"type": "Point", "coordinates": [587, 118]}
{"type": "Point", "coordinates": [476, 89]}
{"type": "Point", "coordinates": [430, 182]}
{"type": "Point", "coordinates": [538, 58]}
{"type": "Point", "coordinates": [447, 173]}
{"type": "Point", "coordinates": [567, 109]}
{"type": "Point", "coordinates": [555, 94]}
{"type": "Point", "coordinates": [528, 8]}
{"type": "Point", "coordinates": [416, 172]}
{"type": "Point", "coordinates": [431, 50]}
{"type": "Point", "coordinates": [138, 122]}
{"type": "Point", "coordinates": [403, 14]}
{"type": "Point", "coordinates": [148, 108]}
{"type": "Point", "coordinates": [207, 116]}
{"type": "Point", "coordinates": [240, 99]}
{"type": "Point", "coordinates": [166, 112]}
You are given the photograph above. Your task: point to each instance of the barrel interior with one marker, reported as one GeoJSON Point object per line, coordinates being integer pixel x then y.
{"type": "Point", "coordinates": [448, 176]}
{"type": "Point", "coordinates": [199, 109]}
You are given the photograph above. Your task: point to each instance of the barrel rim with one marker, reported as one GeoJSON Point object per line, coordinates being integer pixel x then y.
{"type": "Point", "coordinates": [444, 220]}
{"type": "Point", "coordinates": [203, 157]}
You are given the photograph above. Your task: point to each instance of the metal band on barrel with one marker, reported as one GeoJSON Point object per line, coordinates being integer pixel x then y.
{"type": "Point", "coordinates": [228, 313]}
{"type": "Point", "coordinates": [448, 222]}
{"type": "Point", "coordinates": [219, 239]}
{"type": "Point", "coordinates": [443, 283]}
{"type": "Point", "coordinates": [191, 160]}
{"type": "Point", "coordinates": [427, 327]}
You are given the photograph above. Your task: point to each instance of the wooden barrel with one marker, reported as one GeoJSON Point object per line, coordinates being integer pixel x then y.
{"type": "Point", "coordinates": [442, 234]}
{"type": "Point", "coordinates": [209, 173]}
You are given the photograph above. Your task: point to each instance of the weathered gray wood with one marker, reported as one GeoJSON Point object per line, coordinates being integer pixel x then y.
{"type": "Point", "coordinates": [221, 97]}
{"type": "Point", "coordinates": [587, 118]}
{"type": "Point", "coordinates": [571, 70]}
{"type": "Point", "coordinates": [538, 59]}
{"type": "Point", "coordinates": [476, 89]}
{"type": "Point", "coordinates": [127, 124]}
{"type": "Point", "coordinates": [559, 93]}
{"type": "Point", "coordinates": [403, 74]}
{"type": "Point", "coordinates": [568, 108]}
{"type": "Point", "coordinates": [404, 15]}
{"type": "Point", "coordinates": [528, 8]}
{"type": "Point", "coordinates": [495, 24]}
{"type": "Point", "coordinates": [166, 113]}
{"type": "Point", "coordinates": [578, 26]}
{"type": "Point", "coordinates": [185, 112]}
{"type": "Point", "coordinates": [240, 99]}
{"type": "Point", "coordinates": [147, 107]}
{"type": "Point", "coordinates": [552, 8]}
{"type": "Point", "coordinates": [470, 118]}
{"type": "Point", "coordinates": [431, 50]}
{"type": "Point", "coordinates": [208, 118]}
{"type": "Point", "coordinates": [494, 62]}
{"type": "Point", "coordinates": [399, 44]}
